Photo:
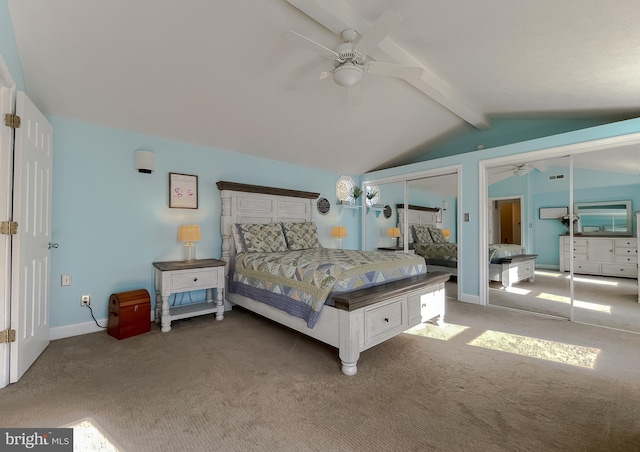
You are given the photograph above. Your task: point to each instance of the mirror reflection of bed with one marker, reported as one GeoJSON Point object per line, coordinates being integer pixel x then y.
{"type": "Point", "coordinates": [509, 263]}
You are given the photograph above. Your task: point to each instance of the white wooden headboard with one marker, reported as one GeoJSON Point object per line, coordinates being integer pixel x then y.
{"type": "Point", "coordinates": [417, 215]}
{"type": "Point", "coordinates": [244, 203]}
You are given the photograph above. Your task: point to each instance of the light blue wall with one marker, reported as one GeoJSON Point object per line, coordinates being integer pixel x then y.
{"type": "Point", "coordinates": [469, 232]}
{"type": "Point", "coordinates": [8, 48]}
{"type": "Point", "coordinates": [112, 222]}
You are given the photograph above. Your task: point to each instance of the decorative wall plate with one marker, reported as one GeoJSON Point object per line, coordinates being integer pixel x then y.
{"type": "Point", "coordinates": [323, 205]}
{"type": "Point", "coordinates": [387, 211]}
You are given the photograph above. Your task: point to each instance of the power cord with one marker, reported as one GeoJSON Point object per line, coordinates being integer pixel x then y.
{"type": "Point", "coordinates": [94, 318]}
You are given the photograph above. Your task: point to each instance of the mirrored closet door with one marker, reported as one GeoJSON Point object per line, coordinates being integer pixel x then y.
{"type": "Point", "coordinates": [580, 224]}
{"type": "Point", "coordinates": [525, 207]}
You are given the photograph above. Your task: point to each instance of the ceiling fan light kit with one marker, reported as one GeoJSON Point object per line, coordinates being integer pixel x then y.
{"type": "Point", "coordinates": [351, 60]}
{"type": "Point", "coordinates": [348, 74]}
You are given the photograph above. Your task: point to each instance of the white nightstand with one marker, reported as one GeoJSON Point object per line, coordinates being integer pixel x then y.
{"type": "Point", "coordinates": [180, 276]}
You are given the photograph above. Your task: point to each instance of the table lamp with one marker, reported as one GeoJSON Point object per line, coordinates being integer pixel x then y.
{"type": "Point", "coordinates": [446, 233]}
{"type": "Point", "coordinates": [339, 232]}
{"type": "Point", "coordinates": [395, 233]}
{"type": "Point", "coordinates": [188, 234]}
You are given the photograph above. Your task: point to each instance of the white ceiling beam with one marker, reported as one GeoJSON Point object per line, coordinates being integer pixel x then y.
{"type": "Point", "coordinates": [337, 16]}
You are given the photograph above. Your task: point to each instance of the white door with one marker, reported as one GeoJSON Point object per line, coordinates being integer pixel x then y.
{"type": "Point", "coordinates": [30, 255]}
{"type": "Point", "coordinates": [6, 188]}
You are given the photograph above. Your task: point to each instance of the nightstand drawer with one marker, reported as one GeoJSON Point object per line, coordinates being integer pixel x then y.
{"type": "Point", "coordinates": [194, 279]}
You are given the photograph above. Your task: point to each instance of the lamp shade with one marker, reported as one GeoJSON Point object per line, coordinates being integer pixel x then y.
{"type": "Point", "coordinates": [446, 233]}
{"type": "Point", "coordinates": [189, 233]}
{"type": "Point", "coordinates": [339, 231]}
{"type": "Point", "coordinates": [393, 232]}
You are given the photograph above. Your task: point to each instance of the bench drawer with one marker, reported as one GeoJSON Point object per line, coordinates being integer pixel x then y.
{"type": "Point", "coordinates": [381, 320]}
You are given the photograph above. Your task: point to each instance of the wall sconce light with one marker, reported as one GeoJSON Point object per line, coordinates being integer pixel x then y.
{"type": "Point", "coordinates": [445, 205]}
{"type": "Point", "coordinates": [145, 161]}
{"type": "Point", "coordinates": [395, 233]}
{"type": "Point", "coordinates": [188, 234]}
{"type": "Point", "coordinates": [339, 232]}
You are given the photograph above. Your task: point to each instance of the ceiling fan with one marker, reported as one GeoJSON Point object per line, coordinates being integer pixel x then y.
{"type": "Point", "coordinates": [351, 59]}
{"type": "Point", "coordinates": [522, 169]}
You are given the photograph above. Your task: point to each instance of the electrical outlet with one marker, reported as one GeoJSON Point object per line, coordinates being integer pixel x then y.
{"type": "Point", "coordinates": [85, 300]}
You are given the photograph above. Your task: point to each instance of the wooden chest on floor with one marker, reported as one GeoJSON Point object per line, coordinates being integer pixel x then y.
{"type": "Point", "coordinates": [129, 314]}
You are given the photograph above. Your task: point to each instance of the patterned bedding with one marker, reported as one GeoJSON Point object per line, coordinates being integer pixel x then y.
{"type": "Point", "coordinates": [443, 254]}
{"type": "Point", "coordinates": [300, 282]}
{"type": "Point", "coordinates": [446, 254]}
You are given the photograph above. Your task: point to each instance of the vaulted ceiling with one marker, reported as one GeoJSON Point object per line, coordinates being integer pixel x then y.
{"type": "Point", "coordinates": [221, 74]}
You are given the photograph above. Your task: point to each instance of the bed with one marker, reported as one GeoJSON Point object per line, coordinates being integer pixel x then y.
{"type": "Point", "coordinates": [508, 263]}
{"type": "Point", "coordinates": [361, 313]}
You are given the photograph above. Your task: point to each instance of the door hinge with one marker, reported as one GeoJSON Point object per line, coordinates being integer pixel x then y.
{"type": "Point", "coordinates": [8, 227]}
{"type": "Point", "coordinates": [12, 120]}
{"type": "Point", "coordinates": [7, 336]}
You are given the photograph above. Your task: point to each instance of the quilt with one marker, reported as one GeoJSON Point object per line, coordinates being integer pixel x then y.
{"type": "Point", "coordinates": [446, 254]}
{"type": "Point", "coordinates": [300, 282]}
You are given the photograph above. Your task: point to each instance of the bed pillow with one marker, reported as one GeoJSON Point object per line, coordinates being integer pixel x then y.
{"type": "Point", "coordinates": [421, 233]}
{"type": "Point", "coordinates": [437, 235]}
{"type": "Point", "coordinates": [236, 238]}
{"type": "Point", "coordinates": [261, 238]}
{"type": "Point", "coordinates": [301, 236]}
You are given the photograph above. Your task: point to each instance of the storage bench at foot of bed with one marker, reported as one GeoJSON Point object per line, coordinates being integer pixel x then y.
{"type": "Point", "coordinates": [370, 316]}
{"type": "Point", "coordinates": [514, 269]}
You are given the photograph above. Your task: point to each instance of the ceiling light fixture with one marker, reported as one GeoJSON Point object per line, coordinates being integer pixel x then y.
{"type": "Point", "coordinates": [348, 74]}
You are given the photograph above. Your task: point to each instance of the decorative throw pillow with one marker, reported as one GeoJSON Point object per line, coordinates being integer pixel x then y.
{"type": "Point", "coordinates": [236, 238]}
{"type": "Point", "coordinates": [261, 238]}
{"type": "Point", "coordinates": [421, 233]}
{"type": "Point", "coordinates": [437, 235]}
{"type": "Point", "coordinates": [301, 236]}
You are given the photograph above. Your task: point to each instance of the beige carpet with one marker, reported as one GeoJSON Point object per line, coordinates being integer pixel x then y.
{"type": "Point", "coordinates": [248, 384]}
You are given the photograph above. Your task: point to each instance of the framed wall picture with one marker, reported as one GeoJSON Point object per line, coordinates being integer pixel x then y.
{"type": "Point", "coordinates": [553, 213]}
{"type": "Point", "coordinates": [183, 191]}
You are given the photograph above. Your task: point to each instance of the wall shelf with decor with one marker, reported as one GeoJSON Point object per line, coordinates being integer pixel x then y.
{"type": "Point", "coordinates": [345, 205]}
{"type": "Point", "coordinates": [376, 208]}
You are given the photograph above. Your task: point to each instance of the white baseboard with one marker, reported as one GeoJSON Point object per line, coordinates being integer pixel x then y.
{"type": "Point", "coordinates": [76, 330]}
{"type": "Point", "coordinates": [467, 298]}
{"type": "Point", "coordinates": [80, 328]}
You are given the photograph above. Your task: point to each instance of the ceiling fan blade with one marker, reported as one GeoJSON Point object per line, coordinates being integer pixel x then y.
{"type": "Point", "coordinates": [394, 70]}
{"type": "Point", "coordinates": [310, 44]}
{"type": "Point", "coordinates": [355, 95]}
{"type": "Point", "coordinates": [379, 30]}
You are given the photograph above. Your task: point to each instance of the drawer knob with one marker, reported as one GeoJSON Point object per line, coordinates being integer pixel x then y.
{"type": "Point", "coordinates": [195, 279]}
{"type": "Point", "coordinates": [386, 319]}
